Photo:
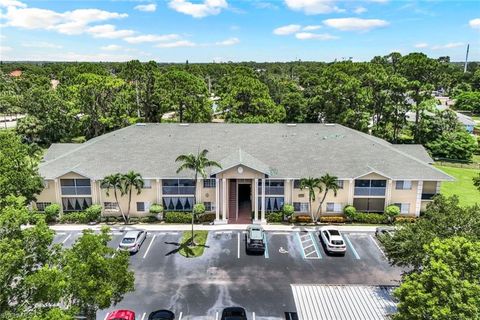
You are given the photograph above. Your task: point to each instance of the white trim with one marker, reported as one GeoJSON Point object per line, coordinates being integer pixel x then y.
{"type": "Point", "coordinates": [255, 202]}
{"type": "Point", "coordinates": [374, 171]}
{"type": "Point", "coordinates": [159, 191]}
{"type": "Point", "coordinates": [217, 199]}
{"type": "Point", "coordinates": [224, 199]}
{"type": "Point", "coordinates": [263, 199]}
{"type": "Point", "coordinates": [236, 165]}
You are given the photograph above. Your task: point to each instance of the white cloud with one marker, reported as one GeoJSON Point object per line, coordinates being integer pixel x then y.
{"type": "Point", "coordinates": [146, 7]}
{"type": "Point", "coordinates": [313, 6]}
{"type": "Point", "coordinates": [448, 46]}
{"type": "Point", "coordinates": [474, 23]}
{"type": "Point", "coordinates": [109, 31]}
{"type": "Point", "coordinates": [421, 45]}
{"type": "Point", "coordinates": [12, 3]}
{"type": "Point", "coordinates": [311, 28]}
{"type": "Point", "coordinates": [309, 36]}
{"type": "Point", "coordinates": [41, 44]}
{"type": "Point", "coordinates": [176, 44]}
{"type": "Point", "coordinates": [355, 24]}
{"type": "Point", "coordinates": [198, 10]}
{"type": "Point", "coordinates": [111, 47]}
{"type": "Point", "coordinates": [286, 30]}
{"type": "Point", "coordinates": [228, 42]}
{"type": "Point", "coordinates": [360, 10]}
{"type": "Point", "coordinates": [265, 5]}
{"type": "Point", "coordinates": [151, 38]}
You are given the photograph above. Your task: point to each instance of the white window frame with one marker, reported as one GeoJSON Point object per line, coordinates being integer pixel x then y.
{"type": "Point", "coordinates": [405, 185]}
{"type": "Point", "coordinates": [212, 206]}
{"type": "Point", "coordinates": [303, 206]}
{"type": "Point", "coordinates": [42, 203]}
{"type": "Point", "coordinates": [209, 183]}
{"type": "Point", "coordinates": [340, 184]}
{"type": "Point", "coordinates": [404, 207]}
{"type": "Point", "coordinates": [337, 207]}
{"type": "Point", "coordinates": [147, 184]}
{"type": "Point", "coordinates": [146, 206]}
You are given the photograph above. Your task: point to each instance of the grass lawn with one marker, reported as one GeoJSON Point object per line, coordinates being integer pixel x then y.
{"type": "Point", "coordinates": [463, 186]}
{"type": "Point", "coordinates": [200, 239]}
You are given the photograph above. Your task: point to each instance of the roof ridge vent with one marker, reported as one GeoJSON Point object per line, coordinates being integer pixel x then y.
{"type": "Point", "coordinates": [140, 124]}
{"type": "Point", "coordinates": [330, 124]}
{"type": "Point", "coordinates": [291, 124]}
{"type": "Point", "coordinates": [184, 124]}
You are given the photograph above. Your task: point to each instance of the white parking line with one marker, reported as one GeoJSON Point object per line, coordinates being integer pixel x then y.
{"type": "Point", "coordinates": [253, 315]}
{"type": "Point", "coordinates": [148, 249]}
{"type": "Point", "coordinates": [279, 232]}
{"type": "Point", "coordinates": [65, 240]}
{"type": "Point", "coordinates": [216, 316]}
{"type": "Point", "coordinates": [238, 251]}
{"type": "Point", "coordinates": [60, 233]}
{"type": "Point", "coordinates": [143, 316]}
{"type": "Point", "coordinates": [378, 247]}
{"type": "Point", "coordinates": [181, 315]}
{"type": "Point", "coordinates": [351, 247]}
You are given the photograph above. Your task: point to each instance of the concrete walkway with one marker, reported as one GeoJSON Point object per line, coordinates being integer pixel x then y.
{"type": "Point", "coordinates": [183, 227]}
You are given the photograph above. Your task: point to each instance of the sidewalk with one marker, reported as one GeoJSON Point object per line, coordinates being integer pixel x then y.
{"type": "Point", "coordinates": [184, 227]}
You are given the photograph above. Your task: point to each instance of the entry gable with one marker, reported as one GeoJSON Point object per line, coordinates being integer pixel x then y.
{"type": "Point", "coordinates": [241, 158]}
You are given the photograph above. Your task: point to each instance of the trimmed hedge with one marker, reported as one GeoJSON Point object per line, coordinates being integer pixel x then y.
{"type": "Point", "coordinates": [373, 218]}
{"type": "Point", "coordinates": [51, 212]}
{"type": "Point", "coordinates": [349, 211]}
{"type": "Point", "coordinates": [74, 217]}
{"type": "Point", "coordinates": [94, 212]}
{"type": "Point", "coordinates": [403, 219]}
{"type": "Point", "coordinates": [206, 217]}
{"type": "Point", "coordinates": [177, 217]}
{"type": "Point", "coordinates": [156, 208]}
{"type": "Point", "coordinates": [198, 208]}
{"type": "Point", "coordinates": [288, 210]}
{"type": "Point", "coordinates": [303, 219]}
{"type": "Point", "coordinates": [333, 219]}
{"type": "Point", "coordinates": [275, 217]}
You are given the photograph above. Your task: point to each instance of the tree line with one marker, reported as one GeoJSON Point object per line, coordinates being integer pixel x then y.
{"type": "Point", "coordinates": [91, 99]}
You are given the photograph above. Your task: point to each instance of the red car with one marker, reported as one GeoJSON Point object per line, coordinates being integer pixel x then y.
{"type": "Point", "coordinates": [121, 315]}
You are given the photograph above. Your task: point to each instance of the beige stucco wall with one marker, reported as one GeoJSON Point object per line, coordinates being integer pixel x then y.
{"type": "Point", "coordinates": [372, 176]}
{"type": "Point", "coordinates": [299, 195]}
{"type": "Point", "coordinates": [206, 194]}
{"type": "Point", "coordinates": [405, 196]}
{"type": "Point", "coordinates": [48, 194]}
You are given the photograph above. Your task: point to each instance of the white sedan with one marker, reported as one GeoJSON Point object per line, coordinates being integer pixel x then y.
{"type": "Point", "coordinates": [332, 240]}
{"type": "Point", "coordinates": [132, 240]}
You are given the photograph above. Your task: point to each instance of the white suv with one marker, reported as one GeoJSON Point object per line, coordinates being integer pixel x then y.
{"type": "Point", "coordinates": [332, 240]}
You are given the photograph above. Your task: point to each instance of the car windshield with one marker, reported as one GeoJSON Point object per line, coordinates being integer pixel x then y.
{"type": "Point", "coordinates": [334, 232]}
{"type": "Point", "coordinates": [256, 234]}
{"type": "Point", "coordinates": [128, 240]}
{"type": "Point", "coordinates": [337, 242]}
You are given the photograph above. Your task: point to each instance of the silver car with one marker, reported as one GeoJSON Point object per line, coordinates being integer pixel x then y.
{"type": "Point", "coordinates": [132, 240]}
{"type": "Point", "coordinates": [333, 240]}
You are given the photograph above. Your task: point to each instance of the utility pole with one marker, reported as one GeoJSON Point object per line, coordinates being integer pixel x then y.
{"type": "Point", "coordinates": [466, 59]}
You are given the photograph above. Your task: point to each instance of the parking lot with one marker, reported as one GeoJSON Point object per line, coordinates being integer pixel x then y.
{"type": "Point", "coordinates": [225, 275]}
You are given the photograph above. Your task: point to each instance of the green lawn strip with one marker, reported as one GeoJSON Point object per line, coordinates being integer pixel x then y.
{"type": "Point", "coordinates": [463, 186]}
{"type": "Point", "coordinates": [200, 237]}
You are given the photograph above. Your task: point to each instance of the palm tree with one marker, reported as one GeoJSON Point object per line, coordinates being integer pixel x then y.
{"type": "Point", "coordinates": [311, 184]}
{"type": "Point", "coordinates": [329, 183]}
{"type": "Point", "coordinates": [131, 180]}
{"type": "Point", "coordinates": [114, 181]}
{"type": "Point", "coordinates": [196, 163]}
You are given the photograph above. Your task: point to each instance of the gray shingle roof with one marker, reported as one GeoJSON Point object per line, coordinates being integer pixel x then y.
{"type": "Point", "coordinates": [415, 150]}
{"type": "Point", "coordinates": [58, 149]}
{"type": "Point", "coordinates": [289, 151]}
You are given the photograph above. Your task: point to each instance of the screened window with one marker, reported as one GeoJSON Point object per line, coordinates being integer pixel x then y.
{"type": "Point", "coordinates": [209, 206]}
{"type": "Point", "coordinates": [178, 186]}
{"type": "Point", "coordinates": [42, 205]}
{"type": "Point", "coordinates": [272, 187]}
{"type": "Point", "coordinates": [300, 206]}
{"type": "Point", "coordinates": [403, 185]}
{"type": "Point", "coordinates": [370, 187]}
{"type": "Point", "coordinates": [178, 203]}
{"type": "Point", "coordinates": [272, 204]}
{"type": "Point", "coordinates": [369, 204]}
{"type": "Point", "coordinates": [76, 204]}
{"type": "Point", "coordinates": [110, 206]}
{"type": "Point", "coordinates": [140, 206]}
{"type": "Point", "coordinates": [340, 184]}
{"type": "Point", "coordinates": [404, 207]}
{"type": "Point", "coordinates": [209, 183]}
{"type": "Point", "coordinates": [334, 207]}
{"type": "Point", "coordinates": [75, 187]}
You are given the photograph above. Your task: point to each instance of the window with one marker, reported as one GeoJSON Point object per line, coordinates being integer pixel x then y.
{"type": "Point", "coordinates": [76, 204]}
{"type": "Point", "coordinates": [334, 207]}
{"type": "Point", "coordinates": [178, 186]}
{"type": "Point", "coordinates": [75, 186]}
{"type": "Point", "coordinates": [147, 184]}
{"type": "Point", "coordinates": [42, 205]}
{"type": "Point", "coordinates": [142, 206]}
{"type": "Point", "coordinates": [272, 204]}
{"type": "Point", "coordinates": [178, 203]}
{"type": "Point", "coordinates": [272, 187]}
{"type": "Point", "coordinates": [300, 206]}
{"type": "Point", "coordinates": [110, 206]}
{"type": "Point", "coordinates": [296, 184]}
{"type": "Point", "coordinates": [340, 184]}
{"type": "Point", "coordinates": [370, 187]}
{"type": "Point", "coordinates": [209, 183]}
{"type": "Point", "coordinates": [404, 207]}
{"type": "Point", "coordinates": [369, 204]}
{"type": "Point", "coordinates": [403, 185]}
{"type": "Point", "coordinates": [209, 206]}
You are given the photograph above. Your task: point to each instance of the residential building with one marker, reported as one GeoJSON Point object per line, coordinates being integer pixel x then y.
{"type": "Point", "coordinates": [262, 165]}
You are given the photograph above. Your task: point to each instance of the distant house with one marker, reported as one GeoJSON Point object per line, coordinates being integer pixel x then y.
{"type": "Point", "coordinates": [465, 120]}
{"type": "Point", "coordinates": [16, 73]}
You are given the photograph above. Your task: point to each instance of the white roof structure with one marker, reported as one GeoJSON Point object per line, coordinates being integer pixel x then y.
{"type": "Point", "coordinates": [343, 302]}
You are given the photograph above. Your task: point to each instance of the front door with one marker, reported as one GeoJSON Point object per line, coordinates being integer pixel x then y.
{"type": "Point", "coordinates": [244, 213]}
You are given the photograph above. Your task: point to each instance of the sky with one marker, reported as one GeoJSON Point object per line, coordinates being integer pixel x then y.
{"type": "Point", "coordinates": [236, 30]}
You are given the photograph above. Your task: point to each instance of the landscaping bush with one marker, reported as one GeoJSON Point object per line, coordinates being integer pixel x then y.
{"type": "Point", "coordinates": [35, 217]}
{"type": "Point", "coordinates": [51, 212]}
{"type": "Point", "coordinates": [178, 217]}
{"type": "Point", "coordinates": [93, 212]}
{"type": "Point", "coordinates": [148, 219]}
{"type": "Point", "coordinates": [156, 208]}
{"type": "Point", "coordinates": [206, 217]}
{"type": "Point", "coordinates": [373, 218]}
{"type": "Point", "coordinates": [288, 210]}
{"type": "Point", "coordinates": [74, 217]}
{"type": "Point", "coordinates": [392, 211]}
{"type": "Point", "coordinates": [349, 211]}
{"type": "Point", "coordinates": [198, 208]}
{"type": "Point", "coordinates": [403, 219]}
{"type": "Point", "coordinates": [134, 220]}
{"type": "Point", "coordinates": [275, 217]}
{"type": "Point", "coordinates": [333, 219]}
{"type": "Point", "coordinates": [303, 219]}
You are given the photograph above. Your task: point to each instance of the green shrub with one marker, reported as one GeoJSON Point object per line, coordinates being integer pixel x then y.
{"type": "Point", "coordinates": [35, 217]}
{"type": "Point", "coordinates": [206, 217]}
{"type": "Point", "coordinates": [402, 219]}
{"type": "Point", "coordinates": [349, 211]}
{"type": "Point", "coordinates": [74, 217]}
{"type": "Point", "coordinates": [332, 219]}
{"type": "Point", "coordinates": [51, 212]}
{"type": "Point", "coordinates": [275, 217]}
{"type": "Point", "coordinates": [93, 212]}
{"type": "Point", "coordinates": [134, 220]}
{"type": "Point", "coordinates": [178, 217]}
{"type": "Point", "coordinates": [148, 219]}
{"type": "Point", "coordinates": [198, 208]}
{"type": "Point", "coordinates": [288, 210]}
{"type": "Point", "coordinates": [392, 211]}
{"type": "Point", "coordinates": [373, 218]}
{"type": "Point", "coordinates": [303, 219]}
{"type": "Point", "coordinates": [156, 208]}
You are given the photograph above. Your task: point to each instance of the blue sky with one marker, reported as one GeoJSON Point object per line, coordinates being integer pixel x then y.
{"type": "Point", "coordinates": [233, 30]}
